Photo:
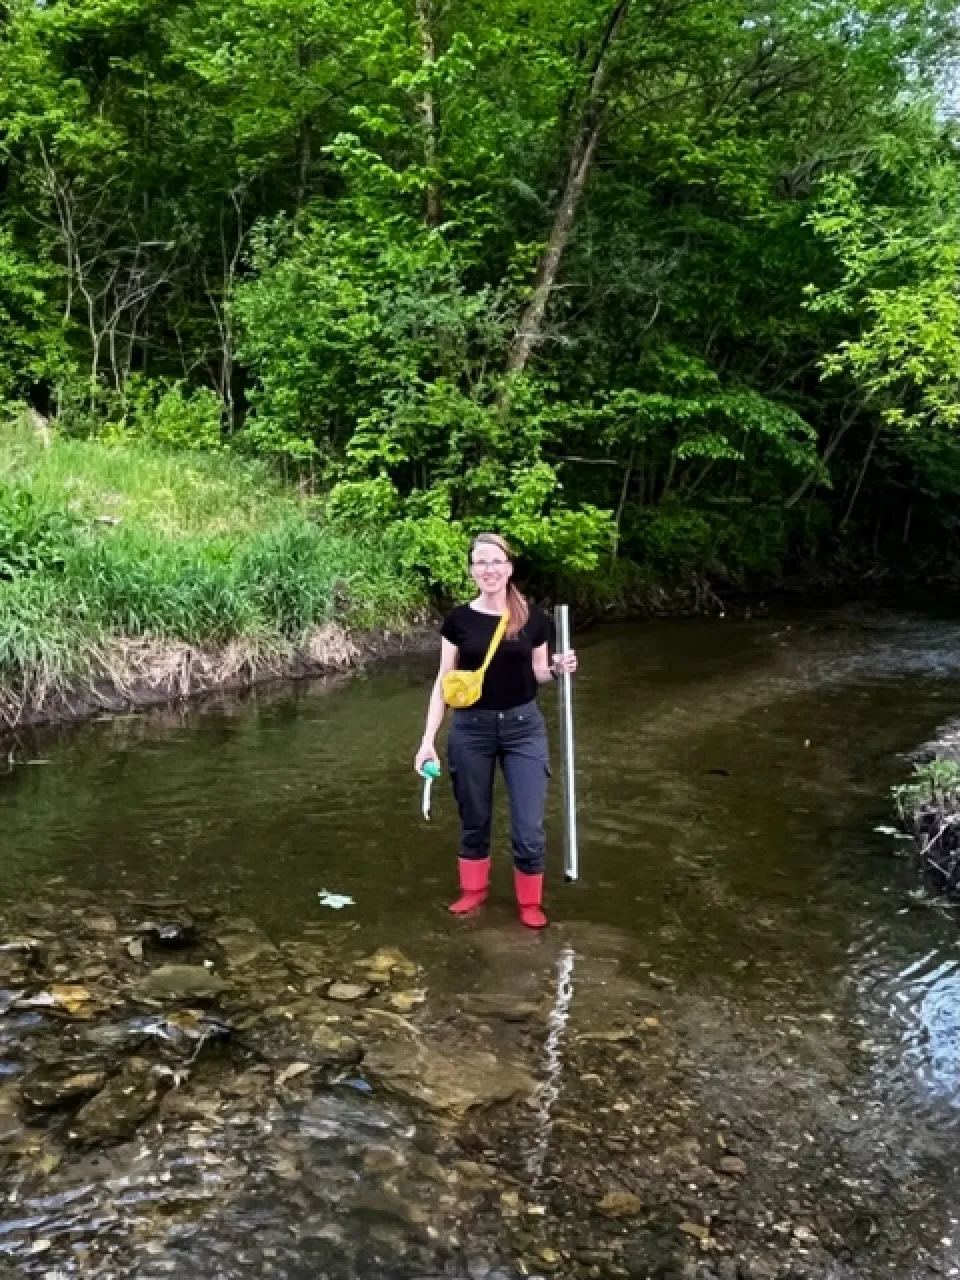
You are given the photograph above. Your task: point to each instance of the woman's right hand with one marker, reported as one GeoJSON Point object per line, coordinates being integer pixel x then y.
{"type": "Point", "coordinates": [426, 753]}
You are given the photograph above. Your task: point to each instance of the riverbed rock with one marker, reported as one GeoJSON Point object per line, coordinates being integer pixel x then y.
{"type": "Point", "coordinates": [757, 1269]}
{"type": "Point", "coordinates": [58, 1084]}
{"type": "Point", "coordinates": [454, 1080]}
{"type": "Point", "coordinates": [695, 1229]}
{"type": "Point", "coordinates": [385, 1206]}
{"type": "Point", "coordinates": [180, 982]}
{"type": "Point", "coordinates": [11, 1123]}
{"type": "Point", "coordinates": [8, 998]}
{"type": "Point", "coordinates": [333, 1048]}
{"type": "Point", "coordinates": [407, 1001]}
{"type": "Point", "coordinates": [380, 1162]}
{"type": "Point", "coordinates": [102, 922]}
{"type": "Point", "coordinates": [508, 1008]}
{"type": "Point", "coordinates": [387, 963]}
{"type": "Point", "coordinates": [121, 1106]}
{"type": "Point", "coordinates": [349, 991]}
{"type": "Point", "coordinates": [620, 1204]}
{"type": "Point", "coordinates": [246, 946]}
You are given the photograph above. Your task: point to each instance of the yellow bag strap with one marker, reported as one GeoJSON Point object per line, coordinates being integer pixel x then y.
{"type": "Point", "coordinates": [494, 643]}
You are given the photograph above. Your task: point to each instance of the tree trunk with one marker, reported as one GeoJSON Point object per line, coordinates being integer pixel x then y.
{"type": "Point", "coordinates": [428, 112]}
{"type": "Point", "coordinates": [860, 478]}
{"type": "Point", "coordinates": [581, 157]}
{"type": "Point", "coordinates": [624, 494]}
{"type": "Point", "coordinates": [846, 422]}
{"type": "Point", "coordinates": [305, 161]}
{"type": "Point", "coordinates": [305, 59]}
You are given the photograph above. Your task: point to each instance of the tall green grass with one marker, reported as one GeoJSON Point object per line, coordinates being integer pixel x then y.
{"type": "Point", "coordinates": [171, 493]}
{"type": "Point", "coordinates": [207, 550]}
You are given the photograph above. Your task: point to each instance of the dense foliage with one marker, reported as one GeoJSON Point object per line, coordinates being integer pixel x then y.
{"type": "Point", "coordinates": [661, 286]}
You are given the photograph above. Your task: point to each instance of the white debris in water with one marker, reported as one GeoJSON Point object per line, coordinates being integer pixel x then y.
{"type": "Point", "coordinates": [892, 831]}
{"type": "Point", "coordinates": [336, 900]}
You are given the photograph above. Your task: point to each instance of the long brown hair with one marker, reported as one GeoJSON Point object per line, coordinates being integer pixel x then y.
{"type": "Point", "coordinates": [517, 605]}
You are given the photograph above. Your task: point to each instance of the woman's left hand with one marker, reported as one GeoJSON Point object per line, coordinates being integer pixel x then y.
{"type": "Point", "coordinates": [564, 663]}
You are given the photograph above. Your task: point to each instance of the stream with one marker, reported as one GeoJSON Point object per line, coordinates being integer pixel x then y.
{"type": "Point", "coordinates": [735, 1054]}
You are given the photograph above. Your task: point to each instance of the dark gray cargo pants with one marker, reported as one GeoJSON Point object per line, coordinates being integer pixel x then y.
{"type": "Point", "coordinates": [518, 740]}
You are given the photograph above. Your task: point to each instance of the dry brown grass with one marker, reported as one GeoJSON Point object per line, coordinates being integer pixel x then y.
{"type": "Point", "coordinates": [130, 674]}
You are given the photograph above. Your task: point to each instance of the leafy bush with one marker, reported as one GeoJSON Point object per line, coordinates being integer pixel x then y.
{"type": "Point", "coordinates": [185, 419]}
{"type": "Point", "coordinates": [170, 414]}
{"type": "Point", "coordinates": [671, 539]}
{"type": "Point", "coordinates": [160, 411]}
{"type": "Point", "coordinates": [435, 549]}
{"type": "Point", "coordinates": [32, 537]}
{"type": "Point", "coordinates": [363, 504]}
{"type": "Point", "coordinates": [727, 538]}
{"type": "Point", "coordinates": [935, 783]}
{"type": "Point", "coordinates": [32, 341]}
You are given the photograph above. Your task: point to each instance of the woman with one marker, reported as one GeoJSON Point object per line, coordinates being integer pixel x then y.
{"type": "Point", "coordinates": [505, 725]}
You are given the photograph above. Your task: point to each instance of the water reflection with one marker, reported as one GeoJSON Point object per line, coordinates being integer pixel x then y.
{"type": "Point", "coordinates": [548, 1089]}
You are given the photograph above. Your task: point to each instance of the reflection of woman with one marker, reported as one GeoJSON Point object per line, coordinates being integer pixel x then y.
{"type": "Point", "coordinates": [505, 725]}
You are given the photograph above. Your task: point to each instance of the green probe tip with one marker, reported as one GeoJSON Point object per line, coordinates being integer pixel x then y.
{"type": "Point", "coordinates": [431, 770]}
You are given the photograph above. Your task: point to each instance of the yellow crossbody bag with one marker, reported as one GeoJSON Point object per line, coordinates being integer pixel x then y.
{"type": "Point", "coordinates": [463, 688]}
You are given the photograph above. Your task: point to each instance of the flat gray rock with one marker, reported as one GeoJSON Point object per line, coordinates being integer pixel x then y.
{"type": "Point", "coordinates": [454, 1081]}
{"type": "Point", "coordinates": [180, 982]}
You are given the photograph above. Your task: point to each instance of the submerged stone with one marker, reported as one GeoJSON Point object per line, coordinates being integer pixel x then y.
{"type": "Point", "coordinates": [387, 962]}
{"type": "Point", "coordinates": [507, 1008]}
{"type": "Point", "coordinates": [332, 1048]}
{"type": "Point", "coordinates": [407, 1001]}
{"type": "Point", "coordinates": [621, 1204]}
{"type": "Point", "coordinates": [102, 922]}
{"type": "Point", "coordinates": [382, 1161]}
{"type": "Point", "coordinates": [695, 1229]}
{"type": "Point", "coordinates": [454, 1081]}
{"type": "Point", "coordinates": [121, 1106]}
{"type": "Point", "coordinates": [349, 991]}
{"type": "Point", "coordinates": [180, 982]}
{"type": "Point", "coordinates": [57, 1085]}
{"type": "Point", "coordinates": [8, 998]}
{"type": "Point", "coordinates": [244, 947]}
{"type": "Point", "coordinates": [385, 1206]}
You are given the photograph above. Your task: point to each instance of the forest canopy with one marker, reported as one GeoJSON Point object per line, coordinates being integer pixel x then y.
{"type": "Point", "coordinates": [667, 284]}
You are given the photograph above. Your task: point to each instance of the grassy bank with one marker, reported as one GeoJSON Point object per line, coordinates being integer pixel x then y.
{"type": "Point", "coordinates": [127, 571]}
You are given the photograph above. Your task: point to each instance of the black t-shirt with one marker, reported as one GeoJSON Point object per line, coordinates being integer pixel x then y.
{"type": "Point", "coordinates": [509, 681]}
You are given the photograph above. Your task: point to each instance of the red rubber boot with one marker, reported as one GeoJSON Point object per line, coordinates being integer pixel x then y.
{"type": "Point", "coordinates": [474, 881]}
{"type": "Point", "coordinates": [529, 891]}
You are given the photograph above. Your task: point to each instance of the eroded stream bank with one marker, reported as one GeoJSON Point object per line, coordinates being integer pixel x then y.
{"type": "Point", "coordinates": [734, 1054]}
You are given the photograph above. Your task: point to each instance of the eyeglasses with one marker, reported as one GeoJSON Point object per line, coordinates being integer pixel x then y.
{"type": "Point", "coordinates": [489, 564]}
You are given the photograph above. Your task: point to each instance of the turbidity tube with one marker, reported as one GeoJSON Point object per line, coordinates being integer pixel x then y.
{"type": "Point", "coordinates": [429, 773]}
{"type": "Point", "coordinates": [571, 851]}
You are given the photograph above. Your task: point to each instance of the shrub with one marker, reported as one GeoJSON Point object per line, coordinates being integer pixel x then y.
{"type": "Point", "coordinates": [32, 537]}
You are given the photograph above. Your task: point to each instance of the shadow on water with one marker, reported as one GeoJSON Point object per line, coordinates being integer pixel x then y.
{"type": "Point", "coordinates": [734, 1054]}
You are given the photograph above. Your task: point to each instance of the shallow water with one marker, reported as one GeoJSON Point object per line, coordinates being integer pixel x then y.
{"type": "Point", "coordinates": [745, 956]}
